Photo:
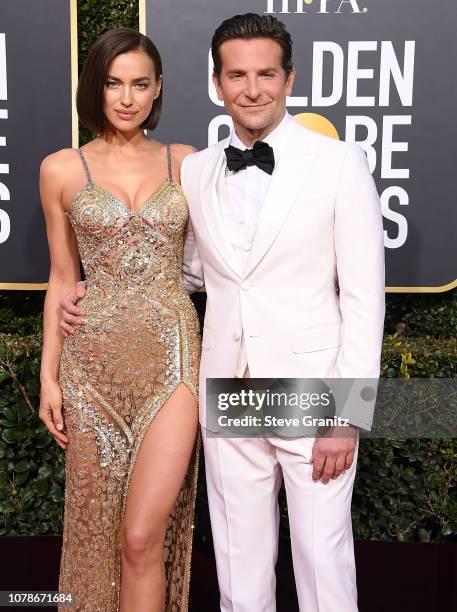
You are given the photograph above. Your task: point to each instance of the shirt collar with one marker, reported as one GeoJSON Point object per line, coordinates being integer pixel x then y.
{"type": "Point", "coordinates": [273, 138]}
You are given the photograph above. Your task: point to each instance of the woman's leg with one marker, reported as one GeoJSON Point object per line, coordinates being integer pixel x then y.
{"type": "Point", "coordinates": [156, 479]}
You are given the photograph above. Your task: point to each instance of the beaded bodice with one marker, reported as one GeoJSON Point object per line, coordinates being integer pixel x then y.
{"type": "Point", "coordinates": [117, 245]}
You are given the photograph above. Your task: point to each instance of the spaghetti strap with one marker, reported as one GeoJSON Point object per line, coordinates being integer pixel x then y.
{"type": "Point", "coordinates": [86, 167]}
{"type": "Point", "coordinates": [170, 173]}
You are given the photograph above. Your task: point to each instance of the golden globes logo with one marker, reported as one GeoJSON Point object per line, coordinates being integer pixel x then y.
{"type": "Point", "coordinates": [318, 6]}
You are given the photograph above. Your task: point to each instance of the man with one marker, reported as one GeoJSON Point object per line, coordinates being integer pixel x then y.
{"type": "Point", "coordinates": [271, 233]}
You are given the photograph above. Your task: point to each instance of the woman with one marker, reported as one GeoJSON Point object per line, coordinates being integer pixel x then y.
{"type": "Point", "coordinates": [126, 381]}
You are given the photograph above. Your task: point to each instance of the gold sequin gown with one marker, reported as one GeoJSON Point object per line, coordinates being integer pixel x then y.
{"type": "Point", "coordinates": [139, 340]}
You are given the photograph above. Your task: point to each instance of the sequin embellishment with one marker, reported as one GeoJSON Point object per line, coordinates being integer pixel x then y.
{"type": "Point", "coordinates": [139, 341]}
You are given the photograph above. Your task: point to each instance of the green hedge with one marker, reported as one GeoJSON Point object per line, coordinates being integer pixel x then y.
{"type": "Point", "coordinates": [419, 357]}
{"type": "Point", "coordinates": [421, 315]}
{"type": "Point", "coordinates": [31, 463]}
{"type": "Point", "coordinates": [95, 17]}
{"type": "Point", "coordinates": [405, 489]}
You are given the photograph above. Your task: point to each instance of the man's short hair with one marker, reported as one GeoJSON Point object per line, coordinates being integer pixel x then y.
{"type": "Point", "coordinates": [251, 26]}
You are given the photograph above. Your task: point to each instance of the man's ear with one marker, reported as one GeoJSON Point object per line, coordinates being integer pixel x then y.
{"type": "Point", "coordinates": [217, 85]}
{"type": "Point", "coordinates": [290, 82]}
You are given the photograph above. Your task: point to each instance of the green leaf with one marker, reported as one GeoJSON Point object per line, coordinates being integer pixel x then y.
{"type": "Point", "coordinates": [9, 435]}
{"type": "Point", "coordinates": [22, 478]}
{"type": "Point", "coordinates": [9, 413]}
{"type": "Point", "coordinates": [7, 423]}
{"type": "Point", "coordinates": [28, 494]}
{"type": "Point", "coordinates": [4, 375]}
{"type": "Point", "coordinates": [424, 535]}
{"type": "Point", "coordinates": [41, 486]}
{"type": "Point", "coordinates": [45, 471]}
{"type": "Point", "coordinates": [22, 466]}
{"type": "Point", "coordinates": [56, 494]}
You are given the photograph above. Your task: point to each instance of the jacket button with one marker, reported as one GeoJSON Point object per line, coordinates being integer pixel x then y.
{"type": "Point", "coordinates": [245, 285]}
{"type": "Point", "coordinates": [236, 336]}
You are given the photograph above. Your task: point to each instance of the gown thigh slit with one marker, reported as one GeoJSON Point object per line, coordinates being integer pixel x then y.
{"type": "Point", "coordinates": [179, 532]}
{"type": "Point", "coordinates": [139, 341]}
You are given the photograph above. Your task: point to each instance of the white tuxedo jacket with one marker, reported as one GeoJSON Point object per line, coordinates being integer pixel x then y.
{"type": "Point", "coordinates": [320, 224]}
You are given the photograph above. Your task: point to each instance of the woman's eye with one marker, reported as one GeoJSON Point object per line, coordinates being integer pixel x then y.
{"type": "Point", "coordinates": [141, 85]}
{"type": "Point", "coordinates": [111, 83]}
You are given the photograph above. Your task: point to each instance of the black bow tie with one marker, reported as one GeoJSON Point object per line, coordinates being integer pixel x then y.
{"type": "Point", "coordinates": [261, 155]}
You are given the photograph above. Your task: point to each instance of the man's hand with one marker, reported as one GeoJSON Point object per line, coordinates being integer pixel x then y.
{"type": "Point", "coordinates": [70, 314]}
{"type": "Point", "coordinates": [333, 453]}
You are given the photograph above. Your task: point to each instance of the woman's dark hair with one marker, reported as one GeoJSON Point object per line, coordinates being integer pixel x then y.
{"type": "Point", "coordinates": [89, 97]}
{"type": "Point", "coordinates": [251, 26]}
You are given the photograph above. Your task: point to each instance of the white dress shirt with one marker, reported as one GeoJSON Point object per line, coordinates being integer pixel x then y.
{"type": "Point", "coordinates": [247, 191]}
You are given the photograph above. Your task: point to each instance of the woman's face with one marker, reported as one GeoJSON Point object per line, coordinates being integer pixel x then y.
{"type": "Point", "coordinates": [130, 90]}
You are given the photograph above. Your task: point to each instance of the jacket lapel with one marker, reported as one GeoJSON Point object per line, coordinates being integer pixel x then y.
{"type": "Point", "coordinates": [288, 180]}
{"type": "Point", "coordinates": [212, 189]}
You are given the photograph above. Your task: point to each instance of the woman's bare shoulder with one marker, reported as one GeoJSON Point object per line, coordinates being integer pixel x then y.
{"type": "Point", "coordinates": [59, 164]}
{"type": "Point", "coordinates": [180, 151]}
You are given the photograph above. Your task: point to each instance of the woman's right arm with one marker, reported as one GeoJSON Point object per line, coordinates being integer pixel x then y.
{"type": "Point", "coordinates": [64, 273]}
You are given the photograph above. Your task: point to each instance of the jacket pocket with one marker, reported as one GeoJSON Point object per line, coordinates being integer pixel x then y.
{"type": "Point", "coordinates": [207, 339]}
{"type": "Point", "coordinates": [316, 338]}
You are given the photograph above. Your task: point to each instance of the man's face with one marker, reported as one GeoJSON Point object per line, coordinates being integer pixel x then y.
{"type": "Point", "coordinates": [253, 84]}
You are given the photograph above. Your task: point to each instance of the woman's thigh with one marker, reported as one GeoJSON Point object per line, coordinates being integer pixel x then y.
{"type": "Point", "coordinates": [161, 466]}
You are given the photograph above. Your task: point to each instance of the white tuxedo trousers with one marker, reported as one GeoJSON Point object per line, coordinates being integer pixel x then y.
{"type": "Point", "coordinates": [243, 479]}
